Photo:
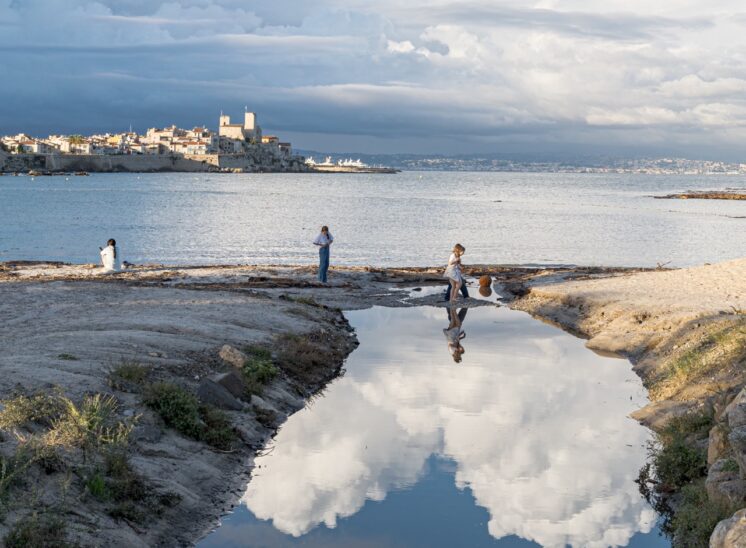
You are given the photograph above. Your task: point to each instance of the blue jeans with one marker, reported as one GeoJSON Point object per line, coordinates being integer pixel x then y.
{"type": "Point", "coordinates": [464, 291]}
{"type": "Point", "coordinates": [323, 263]}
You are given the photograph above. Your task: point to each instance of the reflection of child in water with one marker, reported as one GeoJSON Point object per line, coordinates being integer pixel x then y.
{"type": "Point", "coordinates": [454, 333]}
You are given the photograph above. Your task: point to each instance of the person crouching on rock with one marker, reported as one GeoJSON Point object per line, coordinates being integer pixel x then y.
{"type": "Point", "coordinates": [109, 256]}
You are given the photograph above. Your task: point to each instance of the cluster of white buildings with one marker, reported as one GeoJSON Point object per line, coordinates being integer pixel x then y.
{"type": "Point", "coordinates": [229, 139]}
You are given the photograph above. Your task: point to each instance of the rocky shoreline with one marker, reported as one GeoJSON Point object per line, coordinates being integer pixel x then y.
{"type": "Point", "coordinates": [77, 329]}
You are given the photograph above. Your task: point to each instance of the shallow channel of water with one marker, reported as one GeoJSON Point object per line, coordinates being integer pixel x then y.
{"type": "Point", "coordinates": [525, 441]}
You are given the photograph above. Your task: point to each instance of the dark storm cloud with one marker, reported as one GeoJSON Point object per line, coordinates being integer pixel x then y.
{"type": "Point", "coordinates": [446, 74]}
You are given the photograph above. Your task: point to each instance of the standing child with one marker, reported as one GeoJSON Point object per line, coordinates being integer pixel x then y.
{"type": "Point", "coordinates": [453, 271]}
{"type": "Point", "coordinates": [109, 256]}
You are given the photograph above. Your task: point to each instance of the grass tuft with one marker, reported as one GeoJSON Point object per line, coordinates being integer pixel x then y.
{"type": "Point", "coordinates": [90, 425]}
{"type": "Point", "coordinates": [39, 531]}
{"type": "Point", "coordinates": [67, 357]}
{"type": "Point", "coordinates": [128, 375]}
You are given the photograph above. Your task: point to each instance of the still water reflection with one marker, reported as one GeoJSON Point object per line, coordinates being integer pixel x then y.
{"type": "Point", "coordinates": [522, 435]}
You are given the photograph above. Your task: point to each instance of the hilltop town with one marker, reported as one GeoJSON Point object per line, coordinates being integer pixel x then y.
{"type": "Point", "coordinates": [234, 147]}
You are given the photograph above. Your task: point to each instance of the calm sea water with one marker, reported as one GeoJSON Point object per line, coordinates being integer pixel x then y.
{"type": "Point", "coordinates": [409, 218]}
{"type": "Point", "coordinates": [526, 442]}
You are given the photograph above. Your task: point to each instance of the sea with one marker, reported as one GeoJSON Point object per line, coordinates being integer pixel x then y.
{"type": "Point", "coordinates": [404, 219]}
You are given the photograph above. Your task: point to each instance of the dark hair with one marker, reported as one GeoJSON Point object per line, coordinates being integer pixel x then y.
{"type": "Point", "coordinates": [324, 228]}
{"type": "Point", "coordinates": [113, 243]}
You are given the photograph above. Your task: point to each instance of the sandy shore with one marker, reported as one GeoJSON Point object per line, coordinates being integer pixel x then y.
{"type": "Point", "coordinates": [652, 318]}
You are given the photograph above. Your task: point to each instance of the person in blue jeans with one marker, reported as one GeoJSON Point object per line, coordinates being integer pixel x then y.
{"type": "Point", "coordinates": [324, 241]}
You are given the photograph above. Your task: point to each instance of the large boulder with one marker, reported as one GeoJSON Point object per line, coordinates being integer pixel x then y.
{"type": "Point", "coordinates": [218, 395]}
{"type": "Point", "coordinates": [233, 356]}
{"type": "Point", "coordinates": [731, 532]}
{"type": "Point", "coordinates": [233, 382]}
{"type": "Point", "coordinates": [736, 410]}
{"type": "Point", "coordinates": [737, 441]}
{"type": "Point", "coordinates": [724, 484]}
{"type": "Point", "coordinates": [717, 447]}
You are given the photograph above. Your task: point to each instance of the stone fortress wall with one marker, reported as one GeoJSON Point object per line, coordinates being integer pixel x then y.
{"type": "Point", "coordinates": [259, 161]}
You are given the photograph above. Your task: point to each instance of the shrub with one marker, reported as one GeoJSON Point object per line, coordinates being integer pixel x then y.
{"type": "Point", "coordinates": [97, 486]}
{"type": "Point", "coordinates": [182, 411]}
{"type": "Point", "coordinates": [258, 369]}
{"type": "Point", "coordinates": [696, 517]}
{"type": "Point", "coordinates": [178, 408]}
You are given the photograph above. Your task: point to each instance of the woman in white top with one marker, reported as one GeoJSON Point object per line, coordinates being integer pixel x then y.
{"type": "Point", "coordinates": [323, 240]}
{"type": "Point", "coordinates": [453, 270]}
{"type": "Point", "coordinates": [109, 256]}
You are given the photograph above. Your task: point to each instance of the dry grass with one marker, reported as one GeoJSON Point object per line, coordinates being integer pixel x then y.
{"type": "Point", "coordinates": [721, 349]}
{"type": "Point", "coordinates": [41, 408]}
{"type": "Point", "coordinates": [92, 424]}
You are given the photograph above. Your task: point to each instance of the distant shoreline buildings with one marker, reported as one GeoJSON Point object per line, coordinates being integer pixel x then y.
{"type": "Point", "coordinates": [229, 139]}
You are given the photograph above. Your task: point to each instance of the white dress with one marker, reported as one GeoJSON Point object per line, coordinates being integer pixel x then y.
{"type": "Point", "coordinates": [109, 256]}
{"type": "Point", "coordinates": [453, 270]}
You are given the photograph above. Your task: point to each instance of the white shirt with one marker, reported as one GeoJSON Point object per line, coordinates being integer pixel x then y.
{"type": "Point", "coordinates": [324, 239]}
{"type": "Point", "coordinates": [109, 256]}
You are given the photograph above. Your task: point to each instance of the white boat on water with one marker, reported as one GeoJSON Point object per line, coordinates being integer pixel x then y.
{"type": "Point", "coordinates": [349, 162]}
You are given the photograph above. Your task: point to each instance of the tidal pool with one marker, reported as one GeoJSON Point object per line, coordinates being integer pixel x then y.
{"type": "Point", "coordinates": [522, 439]}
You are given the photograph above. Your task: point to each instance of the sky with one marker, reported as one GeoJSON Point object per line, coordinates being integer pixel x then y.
{"type": "Point", "coordinates": [616, 77]}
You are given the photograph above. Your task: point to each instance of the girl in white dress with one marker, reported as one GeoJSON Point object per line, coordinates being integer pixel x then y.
{"type": "Point", "coordinates": [453, 270]}
{"type": "Point", "coordinates": [109, 256]}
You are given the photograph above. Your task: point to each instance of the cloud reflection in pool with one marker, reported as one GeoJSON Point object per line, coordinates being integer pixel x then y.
{"type": "Point", "coordinates": [536, 424]}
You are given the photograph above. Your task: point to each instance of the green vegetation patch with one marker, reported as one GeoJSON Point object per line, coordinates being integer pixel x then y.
{"type": "Point", "coordinates": [183, 412]}
{"type": "Point", "coordinates": [676, 471]}
{"type": "Point", "coordinates": [44, 530]}
{"type": "Point", "coordinates": [696, 517]}
{"type": "Point", "coordinates": [259, 369]}
{"type": "Point", "coordinates": [67, 357]}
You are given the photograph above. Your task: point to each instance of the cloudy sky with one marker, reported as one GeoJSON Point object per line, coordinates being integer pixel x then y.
{"type": "Point", "coordinates": [388, 76]}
